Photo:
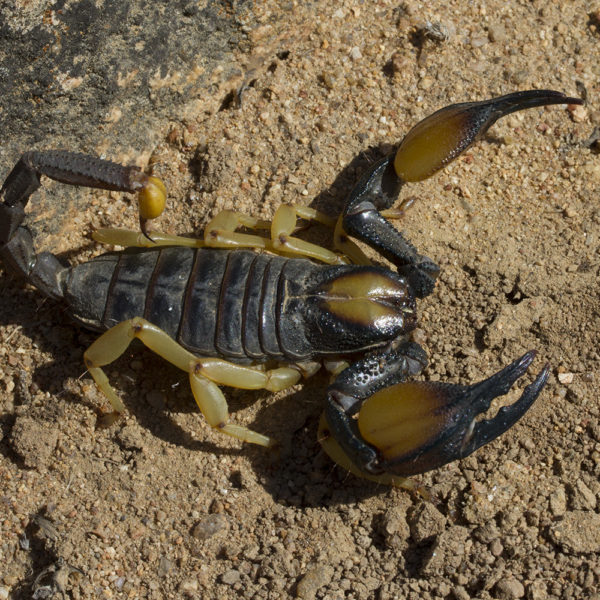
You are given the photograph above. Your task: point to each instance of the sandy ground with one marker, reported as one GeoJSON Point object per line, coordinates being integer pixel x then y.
{"type": "Point", "coordinates": [160, 506]}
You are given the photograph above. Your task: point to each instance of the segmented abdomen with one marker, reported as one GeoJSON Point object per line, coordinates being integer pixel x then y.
{"type": "Point", "coordinates": [213, 302]}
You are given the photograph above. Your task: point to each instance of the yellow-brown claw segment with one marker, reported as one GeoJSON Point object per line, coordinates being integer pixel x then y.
{"type": "Point", "coordinates": [403, 417]}
{"type": "Point", "coordinates": [204, 374]}
{"type": "Point", "coordinates": [335, 452]}
{"type": "Point", "coordinates": [152, 198]}
{"type": "Point", "coordinates": [441, 137]}
{"type": "Point", "coordinates": [408, 428]}
{"type": "Point", "coordinates": [428, 147]}
{"type": "Point", "coordinates": [418, 426]}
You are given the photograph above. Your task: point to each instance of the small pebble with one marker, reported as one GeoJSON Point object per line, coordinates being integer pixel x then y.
{"type": "Point", "coordinates": [355, 53]}
{"type": "Point", "coordinates": [507, 589]}
{"type": "Point", "coordinates": [497, 33]}
{"type": "Point", "coordinates": [537, 590]}
{"type": "Point", "coordinates": [189, 587]}
{"type": "Point", "coordinates": [578, 113]}
{"type": "Point", "coordinates": [558, 502]}
{"type": "Point", "coordinates": [565, 378]}
{"type": "Point", "coordinates": [496, 548]}
{"type": "Point", "coordinates": [164, 566]}
{"type": "Point", "coordinates": [460, 593]}
{"type": "Point", "coordinates": [584, 497]}
{"type": "Point", "coordinates": [209, 526]}
{"type": "Point", "coordinates": [313, 580]}
{"type": "Point", "coordinates": [230, 577]}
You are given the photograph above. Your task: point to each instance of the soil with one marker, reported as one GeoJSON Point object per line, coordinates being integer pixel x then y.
{"type": "Point", "coordinates": [157, 505]}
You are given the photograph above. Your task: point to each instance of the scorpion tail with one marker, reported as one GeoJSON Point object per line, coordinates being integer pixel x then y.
{"type": "Point", "coordinates": [441, 137]}
{"type": "Point", "coordinates": [16, 243]}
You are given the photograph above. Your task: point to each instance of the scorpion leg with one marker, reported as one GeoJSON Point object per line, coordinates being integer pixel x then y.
{"type": "Point", "coordinates": [221, 233]}
{"type": "Point", "coordinates": [134, 239]}
{"type": "Point", "coordinates": [284, 224]}
{"type": "Point", "coordinates": [428, 147]}
{"type": "Point", "coordinates": [205, 373]}
{"type": "Point", "coordinates": [409, 428]}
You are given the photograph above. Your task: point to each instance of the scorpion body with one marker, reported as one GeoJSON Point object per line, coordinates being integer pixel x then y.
{"type": "Point", "coordinates": [228, 315]}
{"type": "Point", "coordinates": [240, 305]}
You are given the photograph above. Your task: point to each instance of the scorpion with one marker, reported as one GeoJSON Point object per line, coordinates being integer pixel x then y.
{"type": "Point", "coordinates": [255, 312]}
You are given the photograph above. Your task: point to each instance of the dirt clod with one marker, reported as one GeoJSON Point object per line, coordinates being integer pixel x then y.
{"type": "Point", "coordinates": [209, 526]}
{"type": "Point", "coordinates": [33, 442]}
{"type": "Point", "coordinates": [578, 532]}
{"type": "Point", "coordinates": [312, 581]}
{"type": "Point", "coordinates": [425, 521]}
{"type": "Point", "coordinates": [509, 589]}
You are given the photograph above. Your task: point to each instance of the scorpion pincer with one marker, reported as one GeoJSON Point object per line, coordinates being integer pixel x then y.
{"type": "Point", "coordinates": [230, 315]}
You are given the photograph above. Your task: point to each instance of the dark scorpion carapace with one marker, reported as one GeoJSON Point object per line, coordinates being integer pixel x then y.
{"type": "Point", "coordinates": [261, 312]}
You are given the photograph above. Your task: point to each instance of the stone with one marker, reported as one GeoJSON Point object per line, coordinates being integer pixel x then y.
{"type": "Point", "coordinates": [510, 588]}
{"type": "Point", "coordinates": [313, 580]}
{"type": "Point", "coordinates": [578, 532]}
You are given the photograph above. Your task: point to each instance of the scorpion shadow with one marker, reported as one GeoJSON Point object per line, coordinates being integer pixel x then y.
{"type": "Point", "coordinates": [51, 331]}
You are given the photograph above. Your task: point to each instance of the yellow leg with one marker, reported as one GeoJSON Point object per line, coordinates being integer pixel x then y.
{"type": "Point", "coordinates": [213, 406]}
{"type": "Point", "coordinates": [128, 238]}
{"type": "Point", "coordinates": [205, 373]}
{"type": "Point", "coordinates": [284, 224]}
{"type": "Point", "coordinates": [224, 372]}
{"type": "Point", "coordinates": [400, 211]}
{"type": "Point", "coordinates": [221, 233]}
